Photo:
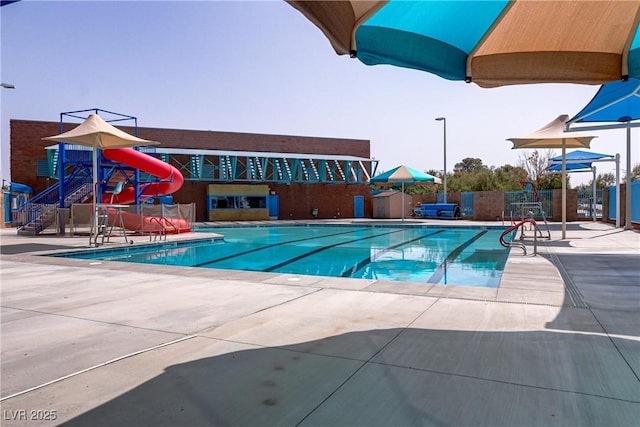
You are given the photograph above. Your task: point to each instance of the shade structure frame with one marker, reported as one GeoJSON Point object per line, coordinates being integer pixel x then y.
{"type": "Point", "coordinates": [96, 133]}
{"type": "Point", "coordinates": [554, 136]}
{"type": "Point", "coordinates": [616, 105]}
{"type": "Point", "coordinates": [583, 161]}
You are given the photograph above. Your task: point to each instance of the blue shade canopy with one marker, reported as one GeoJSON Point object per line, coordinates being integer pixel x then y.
{"type": "Point", "coordinates": [569, 167]}
{"type": "Point", "coordinates": [580, 156]}
{"type": "Point", "coordinates": [402, 175]}
{"type": "Point", "coordinates": [577, 160]}
{"type": "Point", "coordinates": [490, 42]}
{"type": "Point", "coordinates": [614, 102]}
{"type": "Point", "coordinates": [616, 105]}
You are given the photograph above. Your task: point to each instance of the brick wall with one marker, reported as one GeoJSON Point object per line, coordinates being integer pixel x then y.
{"type": "Point", "coordinates": [26, 147]}
{"type": "Point", "coordinates": [332, 200]}
{"type": "Point", "coordinates": [431, 198]}
{"type": "Point", "coordinates": [488, 205]}
{"type": "Point", "coordinates": [572, 205]}
{"type": "Point", "coordinates": [296, 200]}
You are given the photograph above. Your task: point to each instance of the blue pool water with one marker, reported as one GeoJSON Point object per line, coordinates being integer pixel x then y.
{"type": "Point", "coordinates": [454, 255]}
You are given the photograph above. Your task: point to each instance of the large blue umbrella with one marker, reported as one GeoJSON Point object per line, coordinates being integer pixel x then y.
{"type": "Point", "coordinates": [403, 175]}
{"type": "Point", "coordinates": [491, 43]}
{"type": "Point", "coordinates": [616, 105]}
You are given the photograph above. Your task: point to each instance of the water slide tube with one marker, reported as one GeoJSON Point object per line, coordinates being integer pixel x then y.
{"type": "Point", "coordinates": [171, 181]}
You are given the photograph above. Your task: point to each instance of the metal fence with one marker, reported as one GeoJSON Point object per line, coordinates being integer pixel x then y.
{"type": "Point", "coordinates": [586, 205]}
{"type": "Point", "coordinates": [527, 204]}
{"type": "Point", "coordinates": [466, 200]}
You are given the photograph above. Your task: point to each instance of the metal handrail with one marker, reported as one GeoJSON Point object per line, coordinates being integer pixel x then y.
{"type": "Point", "coordinates": [521, 245]}
{"type": "Point", "coordinates": [32, 211]}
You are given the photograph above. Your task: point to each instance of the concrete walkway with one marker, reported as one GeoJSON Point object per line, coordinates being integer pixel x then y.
{"type": "Point", "coordinates": [96, 343]}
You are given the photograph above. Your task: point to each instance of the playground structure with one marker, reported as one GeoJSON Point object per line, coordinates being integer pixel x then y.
{"type": "Point", "coordinates": [119, 180]}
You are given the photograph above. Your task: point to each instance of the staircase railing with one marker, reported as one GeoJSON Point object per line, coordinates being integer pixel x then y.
{"type": "Point", "coordinates": [41, 211]}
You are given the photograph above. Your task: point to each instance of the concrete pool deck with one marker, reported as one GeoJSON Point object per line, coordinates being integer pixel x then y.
{"type": "Point", "coordinates": [93, 343]}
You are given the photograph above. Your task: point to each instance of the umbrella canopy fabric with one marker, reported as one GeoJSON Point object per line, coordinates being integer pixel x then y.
{"type": "Point", "coordinates": [491, 43]}
{"type": "Point", "coordinates": [614, 102]}
{"type": "Point", "coordinates": [570, 167]}
{"type": "Point", "coordinates": [554, 136]}
{"type": "Point", "coordinates": [403, 175]}
{"type": "Point", "coordinates": [616, 105]}
{"type": "Point", "coordinates": [580, 156]}
{"type": "Point", "coordinates": [96, 133]}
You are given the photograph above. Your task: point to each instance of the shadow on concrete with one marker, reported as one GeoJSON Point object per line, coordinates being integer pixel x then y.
{"type": "Point", "coordinates": [413, 377]}
{"type": "Point", "coordinates": [605, 281]}
{"type": "Point", "coordinates": [22, 248]}
{"type": "Point", "coordinates": [557, 226]}
{"type": "Point", "coordinates": [552, 243]}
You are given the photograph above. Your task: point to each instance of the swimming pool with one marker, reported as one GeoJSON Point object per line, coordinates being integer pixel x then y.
{"type": "Point", "coordinates": [470, 256]}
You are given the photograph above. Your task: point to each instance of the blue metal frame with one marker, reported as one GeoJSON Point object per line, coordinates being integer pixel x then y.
{"type": "Point", "coordinates": [62, 161]}
{"type": "Point", "coordinates": [230, 167]}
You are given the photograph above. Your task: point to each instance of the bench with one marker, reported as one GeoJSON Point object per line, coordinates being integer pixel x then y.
{"type": "Point", "coordinates": [438, 210]}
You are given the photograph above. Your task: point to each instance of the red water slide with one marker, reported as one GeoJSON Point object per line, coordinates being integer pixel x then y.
{"type": "Point", "coordinates": [171, 181]}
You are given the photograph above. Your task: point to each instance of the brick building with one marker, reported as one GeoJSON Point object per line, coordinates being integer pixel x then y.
{"type": "Point", "coordinates": [314, 191]}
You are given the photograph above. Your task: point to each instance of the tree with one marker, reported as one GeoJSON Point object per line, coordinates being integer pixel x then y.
{"type": "Point", "coordinates": [468, 164]}
{"type": "Point", "coordinates": [509, 177]}
{"type": "Point", "coordinates": [535, 163]}
{"type": "Point", "coordinates": [551, 181]}
{"type": "Point", "coordinates": [604, 180]}
{"type": "Point", "coordinates": [434, 172]}
{"type": "Point", "coordinates": [635, 173]}
{"type": "Point", "coordinates": [608, 179]}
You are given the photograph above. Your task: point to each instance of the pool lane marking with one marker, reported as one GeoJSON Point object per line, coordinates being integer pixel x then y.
{"type": "Point", "coordinates": [439, 273]}
{"type": "Point", "coordinates": [200, 264]}
{"type": "Point", "coordinates": [324, 248]}
{"type": "Point", "coordinates": [349, 272]}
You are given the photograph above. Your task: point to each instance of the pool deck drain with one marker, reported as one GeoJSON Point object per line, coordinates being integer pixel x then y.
{"type": "Point", "coordinates": [267, 349]}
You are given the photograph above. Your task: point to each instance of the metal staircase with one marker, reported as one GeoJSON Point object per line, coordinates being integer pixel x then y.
{"type": "Point", "coordinates": [41, 211]}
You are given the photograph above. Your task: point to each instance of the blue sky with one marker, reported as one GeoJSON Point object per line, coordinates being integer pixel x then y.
{"type": "Point", "coordinates": [260, 67]}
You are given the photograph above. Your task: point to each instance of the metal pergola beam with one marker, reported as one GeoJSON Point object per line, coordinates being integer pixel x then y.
{"type": "Point", "coordinates": [223, 168]}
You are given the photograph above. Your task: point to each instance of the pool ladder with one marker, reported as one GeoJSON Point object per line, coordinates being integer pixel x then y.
{"type": "Point", "coordinates": [520, 244]}
{"type": "Point", "coordinates": [163, 226]}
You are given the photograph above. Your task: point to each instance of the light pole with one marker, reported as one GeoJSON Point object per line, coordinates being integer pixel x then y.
{"type": "Point", "coordinates": [444, 178]}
